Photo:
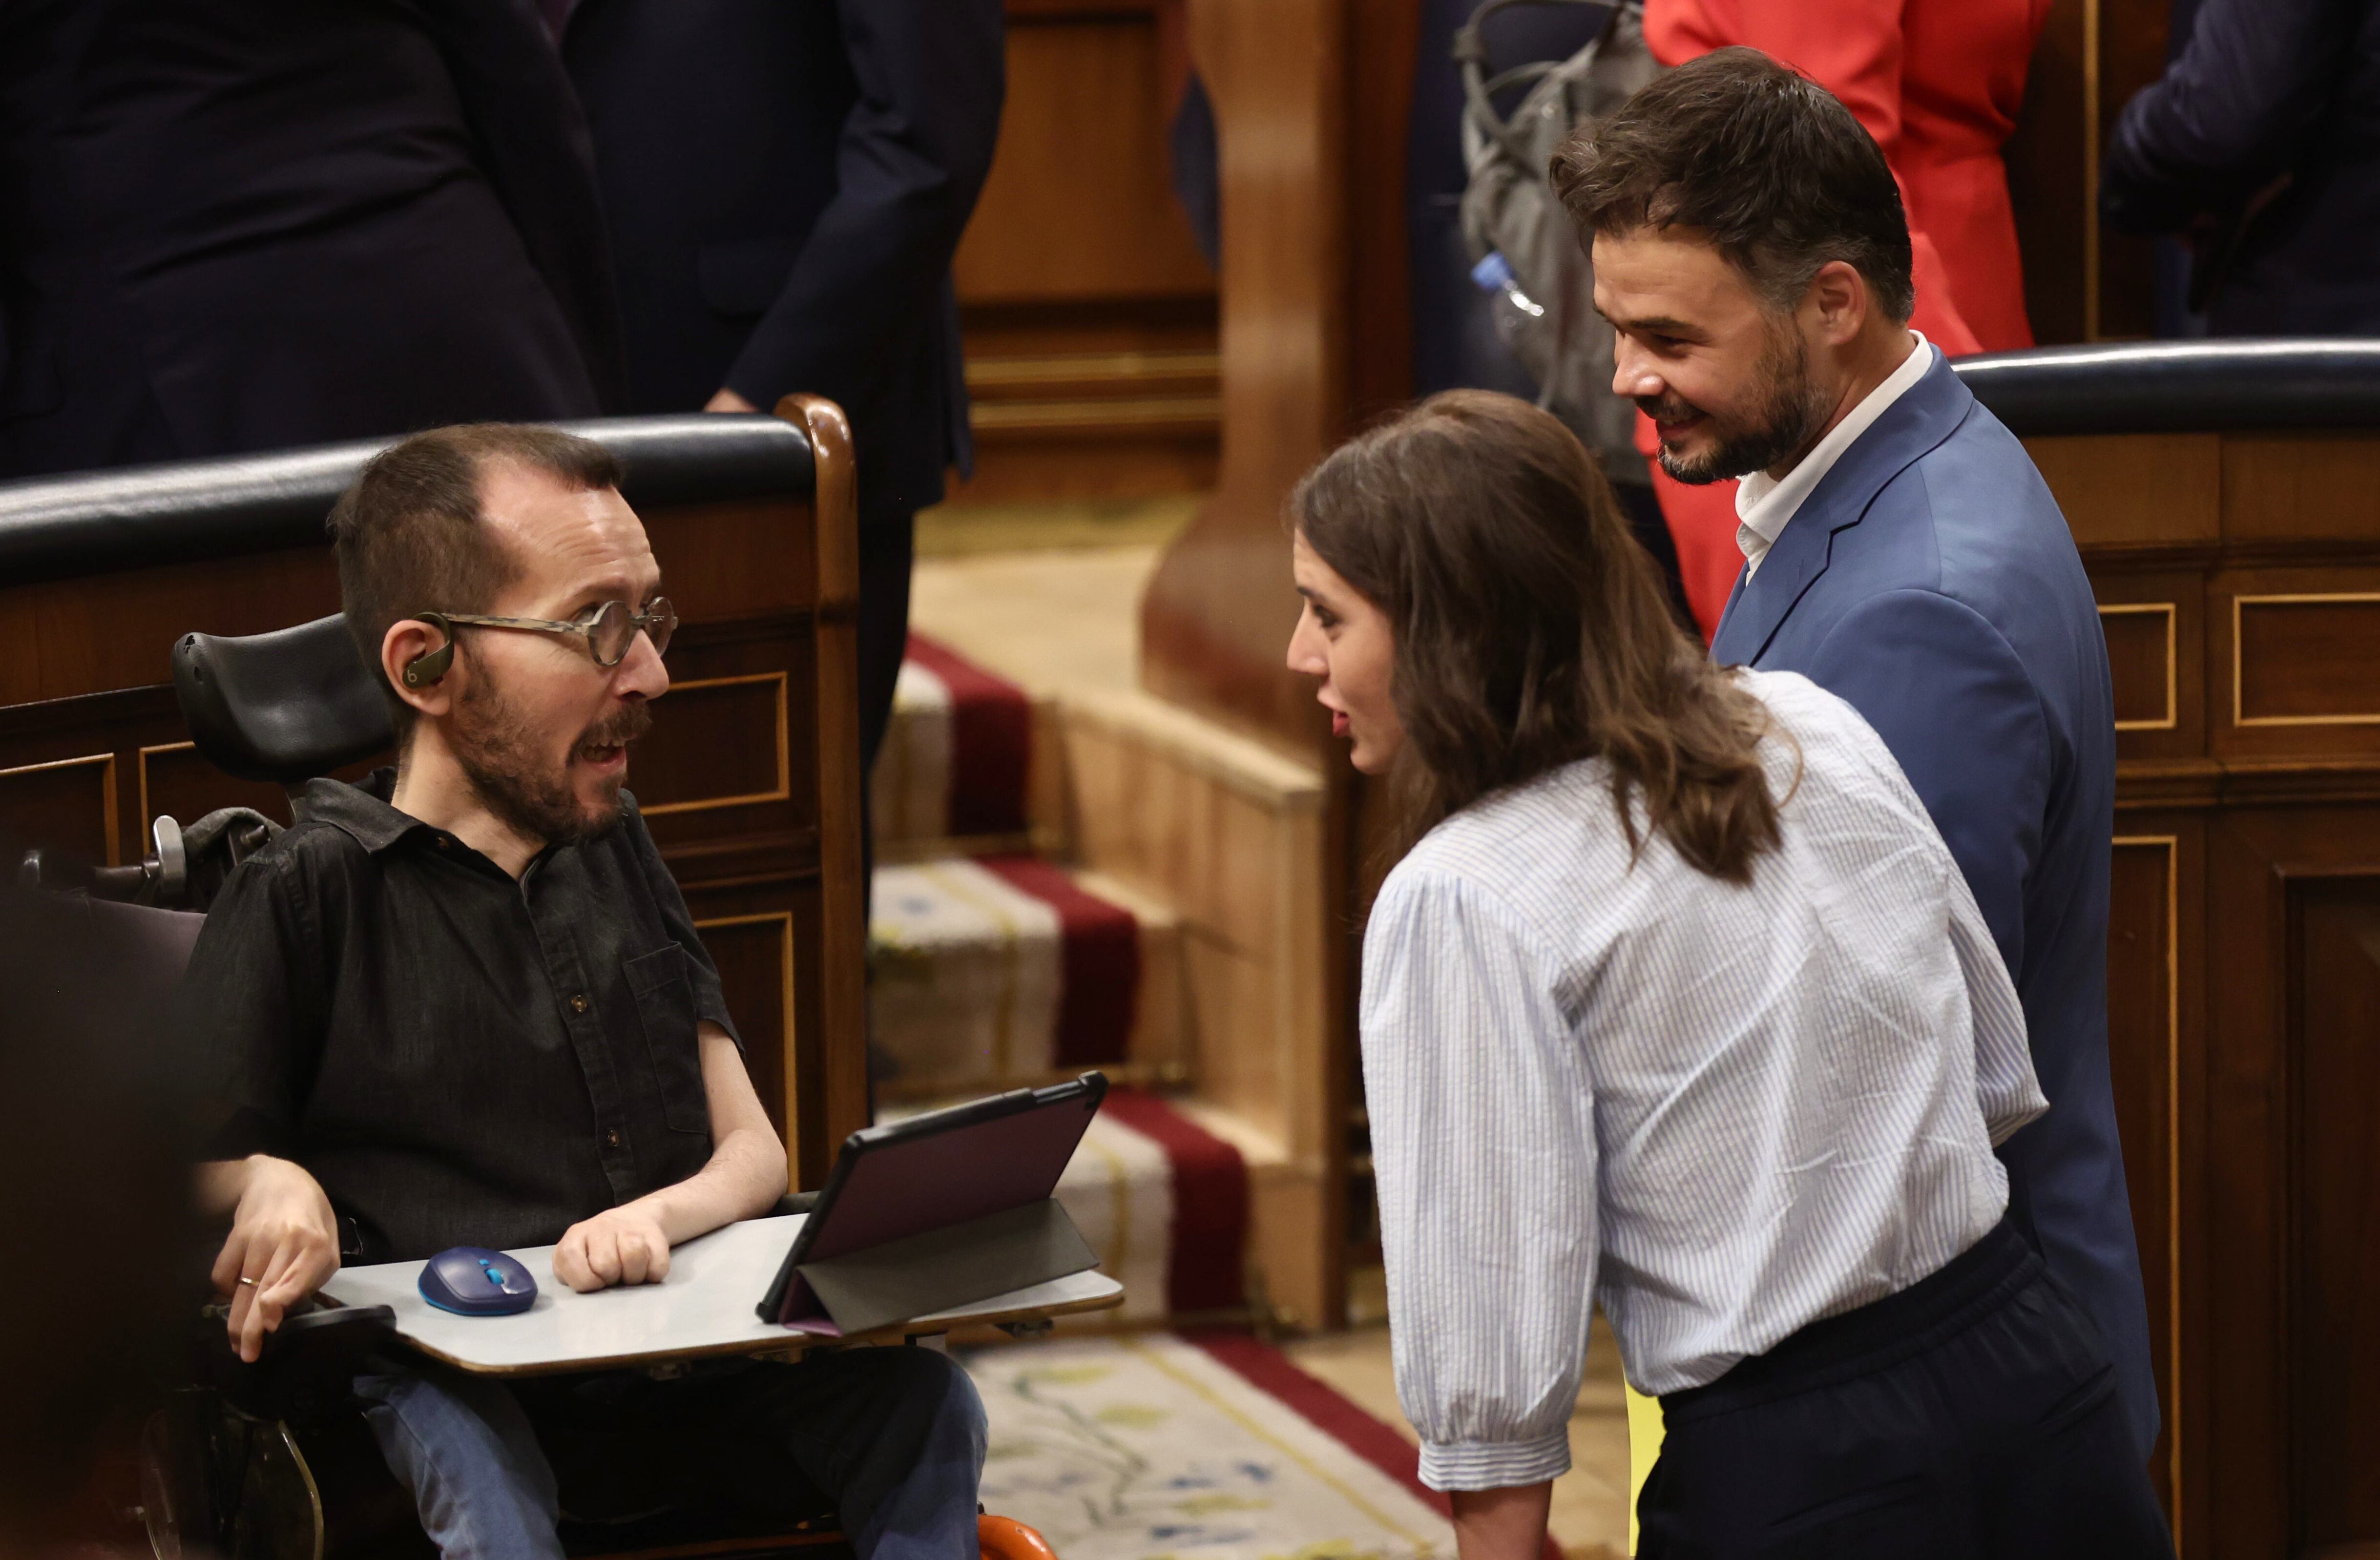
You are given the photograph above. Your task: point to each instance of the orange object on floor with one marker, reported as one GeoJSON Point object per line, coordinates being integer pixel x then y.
{"type": "Point", "coordinates": [1005, 1538]}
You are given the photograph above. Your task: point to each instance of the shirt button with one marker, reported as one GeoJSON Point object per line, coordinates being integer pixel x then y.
{"type": "Point", "coordinates": [579, 1003]}
{"type": "Point", "coordinates": [611, 1137]}
{"type": "Point", "coordinates": [443, 842]}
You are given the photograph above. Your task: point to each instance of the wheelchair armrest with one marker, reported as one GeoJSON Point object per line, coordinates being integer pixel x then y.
{"type": "Point", "coordinates": [308, 1365]}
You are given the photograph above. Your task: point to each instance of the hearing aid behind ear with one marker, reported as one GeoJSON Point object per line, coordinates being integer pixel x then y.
{"type": "Point", "coordinates": [423, 670]}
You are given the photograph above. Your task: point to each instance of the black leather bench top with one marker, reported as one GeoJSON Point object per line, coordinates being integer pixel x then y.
{"type": "Point", "coordinates": [56, 528]}
{"type": "Point", "coordinates": [2180, 386]}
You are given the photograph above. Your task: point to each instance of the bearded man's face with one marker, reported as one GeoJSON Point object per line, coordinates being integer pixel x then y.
{"type": "Point", "coordinates": [1723, 375]}
{"type": "Point", "coordinates": [561, 791]}
{"type": "Point", "coordinates": [540, 730]}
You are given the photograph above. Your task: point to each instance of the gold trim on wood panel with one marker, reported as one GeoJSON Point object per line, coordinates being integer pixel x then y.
{"type": "Point", "coordinates": [1075, 367]}
{"type": "Point", "coordinates": [106, 791]}
{"type": "Point", "coordinates": [2171, 845]}
{"type": "Point", "coordinates": [785, 752]}
{"type": "Point", "coordinates": [1171, 411]}
{"type": "Point", "coordinates": [2239, 690]}
{"type": "Point", "coordinates": [2172, 664]}
{"type": "Point", "coordinates": [793, 1085]}
{"type": "Point", "coordinates": [141, 771]}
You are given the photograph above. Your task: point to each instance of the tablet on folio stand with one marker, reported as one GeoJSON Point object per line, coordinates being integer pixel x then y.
{"type": "Point", "coordinates": [938, 1211]}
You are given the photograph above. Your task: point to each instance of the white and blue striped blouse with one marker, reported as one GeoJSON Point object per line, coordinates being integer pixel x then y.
{"type": "Point", "coordinates": [1721, 1112]}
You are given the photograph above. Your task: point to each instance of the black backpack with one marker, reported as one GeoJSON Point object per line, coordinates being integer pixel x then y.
{"type": "Point", "coordinates": [1522, 245]}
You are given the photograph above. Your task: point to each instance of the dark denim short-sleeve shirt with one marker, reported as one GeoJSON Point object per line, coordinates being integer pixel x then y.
{"type": "Point", "coordinates": [458, 1056]}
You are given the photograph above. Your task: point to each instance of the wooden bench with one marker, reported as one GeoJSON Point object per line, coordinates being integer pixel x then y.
{"type": "Point", "coordinates": [2225, 498]}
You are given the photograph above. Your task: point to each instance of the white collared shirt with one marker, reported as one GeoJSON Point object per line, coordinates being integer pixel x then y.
{"type": "Point", "coordinates": [1763, 504]}
{"type": "Point", "coordinates": [1594, 1072]}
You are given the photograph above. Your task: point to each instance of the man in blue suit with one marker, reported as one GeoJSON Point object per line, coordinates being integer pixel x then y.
{"type": "Point", "coordinates": [785, 183]}
{"type": "Point", "coordinates": [1901, 550]}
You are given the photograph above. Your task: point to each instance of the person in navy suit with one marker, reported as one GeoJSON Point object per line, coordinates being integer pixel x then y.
{"type": "Point", "coordinates": [785, 184]}
{"type": "Point", "coordinates": [228, 228]}
{"type": "Point", "coordinates": [1901, 550]}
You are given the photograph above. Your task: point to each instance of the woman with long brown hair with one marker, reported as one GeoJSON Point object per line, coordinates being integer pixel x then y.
{"type": "Point", "coordinates": [1679, 1004]}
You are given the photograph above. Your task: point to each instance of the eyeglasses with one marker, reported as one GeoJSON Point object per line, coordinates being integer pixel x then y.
{"type": "Point", "coordinates": [609, 629]}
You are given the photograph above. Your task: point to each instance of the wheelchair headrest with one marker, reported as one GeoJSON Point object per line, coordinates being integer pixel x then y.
{"type": "Point", "coordinates": [282, 707]}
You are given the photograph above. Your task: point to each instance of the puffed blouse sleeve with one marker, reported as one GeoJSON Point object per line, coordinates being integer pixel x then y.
{"type": "Point", "coordinates": [1484, 1153]}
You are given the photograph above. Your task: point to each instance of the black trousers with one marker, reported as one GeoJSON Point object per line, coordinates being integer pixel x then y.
{"type": "Point", "coordinates": [1972, 1415]}
{"type": "Point", "coordinates": [892, 1440]}
{"type": "Point", "coordinates": [887, 548]}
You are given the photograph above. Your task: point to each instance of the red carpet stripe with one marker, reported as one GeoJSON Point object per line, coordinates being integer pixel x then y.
{"type": "Point", "coordinates": [1209, 1244]}
{"type": "Point", "coordinates": [1322, 1405]}
{"type": "Point", "coordinates": [992, 741]}
{"type": "Point", "coordinates": [1098, 961]}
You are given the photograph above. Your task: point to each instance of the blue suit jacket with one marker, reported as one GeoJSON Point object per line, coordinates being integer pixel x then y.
{"type": "Point", "coordinates": [1930, 581]}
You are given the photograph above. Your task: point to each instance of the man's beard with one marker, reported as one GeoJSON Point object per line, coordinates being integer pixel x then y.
{"type": "Point", "coordinates": [1790, 411]}
{"type": "Point", "coordinates": [513, 780]}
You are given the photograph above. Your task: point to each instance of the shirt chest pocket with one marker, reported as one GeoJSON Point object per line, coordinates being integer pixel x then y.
{"type": "Point", "coordinates": [664, 997]}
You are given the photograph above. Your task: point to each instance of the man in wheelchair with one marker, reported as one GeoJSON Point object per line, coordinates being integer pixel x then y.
{"type": "Point", "coordinates": [463, 1003]}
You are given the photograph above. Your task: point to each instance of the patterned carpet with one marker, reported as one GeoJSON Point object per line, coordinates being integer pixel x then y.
{"type": "Point", "coordinates": [1162, 1448]}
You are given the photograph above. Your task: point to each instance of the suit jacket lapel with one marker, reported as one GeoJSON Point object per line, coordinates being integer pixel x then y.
{"type": "Point", "coordinates": [1926, 413]}
{"type": "Point", "coordinates": [1734, 594]}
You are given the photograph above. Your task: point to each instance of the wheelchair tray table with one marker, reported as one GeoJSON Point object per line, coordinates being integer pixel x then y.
{"type": "Point", "coordinates": [705, 1307]}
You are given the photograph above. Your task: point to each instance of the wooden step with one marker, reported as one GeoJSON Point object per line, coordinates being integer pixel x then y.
{"type": "Point", "coordinates": [1005, 973]}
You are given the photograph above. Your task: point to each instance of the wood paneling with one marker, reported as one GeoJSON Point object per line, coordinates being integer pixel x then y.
{"type": "Point", "coordinates": [1385, 37]}
{"type": "Point", "coordinates": [2296, 487]}
{"type": "Point", "coordinates": [2146, 491]}
{"type": "Point", "coordinates": [1231, 834]}
{"type": "Point", "coordinates": [1089, 312]}
{"type": "Point", "coordinates": [2335, 1187]}
{"type": "Point", "coordinates": [738, 560]}
{"type": "Point", "coordinates": [1079, 204]}
{"type": "Point", "coordinates": [1091, 424]}
{"type": "Point", "coordinates": [2306, 659]}
{"type": "Point", "coordinates": [2155, 623]}
{"type": "Point", "coordinates": [2082, 282]}
{"type": "Point", "coordinates": [61, 639]}
{"type": "Point", "coordinates": [2143, 660]}
{"type": "Point", "coordinates": [2244, 928]}
{"type": "Point", "coordinates": [1218, 613]}
{"type": "Point", "coordinates": [2289, 663]}
{"type": "Point", "coordinates": [2051, 177]}
{"type": "Point", "coordinates": [65, 804]}
{"type": "Point", "coordinates": [717, 742]}
{"type": "Point", "coordinates": [757, 965]}
{"type": "Point", "coordinates": [176, 781]}
{"type": "Point", "coordinates": [2130, 55]}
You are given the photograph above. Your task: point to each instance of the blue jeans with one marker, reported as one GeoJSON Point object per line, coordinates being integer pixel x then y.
{"type": "Point", "coordinates": [892, 1439]}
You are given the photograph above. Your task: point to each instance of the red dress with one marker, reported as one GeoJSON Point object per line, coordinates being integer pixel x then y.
{"type": "Point", "coordinates": [1937, 83]}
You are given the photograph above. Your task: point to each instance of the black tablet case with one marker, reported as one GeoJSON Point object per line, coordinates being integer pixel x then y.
{"type": "Point", "coordinates": [938, 1211]}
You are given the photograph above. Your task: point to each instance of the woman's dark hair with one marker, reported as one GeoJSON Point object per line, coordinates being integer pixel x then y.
{"type": "Point", "coordinates": [1767, 162]}
{"type": "Point", "coordinates": [1532, 629]}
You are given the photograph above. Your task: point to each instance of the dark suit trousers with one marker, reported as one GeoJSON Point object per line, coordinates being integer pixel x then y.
{"type": "Point", "coordinates": [1972, 1415]}
{"type": "Point", "coordinates": [887, 550]}
{"type": "Point", "coordinates": [888, 546]}
{"type": "Point", "coordinates": [892, 1440]}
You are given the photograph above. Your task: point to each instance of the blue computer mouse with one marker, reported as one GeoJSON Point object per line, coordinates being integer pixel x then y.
{"type": "Point", "coordinates": [475, 1281]}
